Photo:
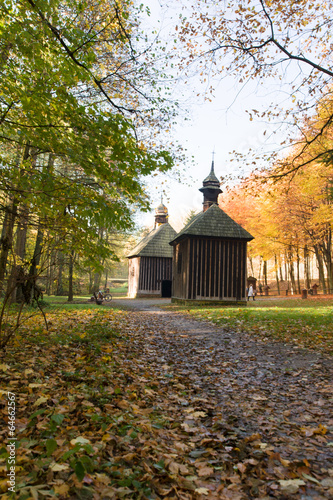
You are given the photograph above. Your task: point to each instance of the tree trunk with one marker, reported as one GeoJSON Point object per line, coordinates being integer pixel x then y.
{"type": "Point", "coordinates": [50, 273]}
{"type": "Point", "coordinates": [19, 278]}
{"type": "Point", "coordinates": [251, 266]}
{"type": "Point", "coordinates": [6, 241]}
{"type": "Point", "coordinates": [48, 276]}
{"type": "Point", "coordinates": [292, 277]}
{"type": "Point", "coordinates": [90, 282]}
{"type": "Point", "coordinates": [291, 270]}
{"type": "Point", "coordinates": [97, 282]}
{"type": "Point", "coordinates": [320, 268]}
{"type": "Point", "coordinates": [286, 269]}
{"type": "Point", "coordinates": [307, 279]}
{"type": "Point", "coordinates": [106, 279]}
{"type": "Point", "coordinates": [60, 286]}
{"type": "Point", "coordinates": [259, 277]}
{"type": "Point", "coordinates": [33, 273]}
{"type": "Point", "coordinates": [326, 251]}
{"type": "Point", "coordinates": [277, 274]}
{"type": "Point", "coordinates": [70, 276]}
{"type": "Point", "coordinates": [298, 272]}
{"type": "Point", "coordinates": [265, 271]}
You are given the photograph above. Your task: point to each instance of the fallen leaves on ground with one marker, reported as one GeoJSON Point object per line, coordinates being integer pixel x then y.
{"type": "Point", "coordinates": [113, 404]}
{"type": "Point", "coordinates": [305, 323]}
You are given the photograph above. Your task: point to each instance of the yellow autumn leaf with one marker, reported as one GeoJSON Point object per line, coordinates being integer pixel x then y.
{"type": "Point", "coordinates": [41, 400]}
{"type": "Point", "coordinates": [202, 491]}
{"type": "Point", "coordinates": [61, 489]}
{"type": "Point", "coordinates": [81, 440]}
{"type": "Point", "coordinates": [58, 467]}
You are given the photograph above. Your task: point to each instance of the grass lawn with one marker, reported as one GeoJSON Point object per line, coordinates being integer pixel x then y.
{"type": "Point", "coordinates": [80, 302]}
{"type": "Point", "coordinates": [307, 323]}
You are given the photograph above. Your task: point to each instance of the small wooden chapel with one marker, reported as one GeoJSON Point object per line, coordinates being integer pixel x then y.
{"type": "Point", "coordinates": [210, 254]}
{"type": "Point", "coordinates": [150, 262]}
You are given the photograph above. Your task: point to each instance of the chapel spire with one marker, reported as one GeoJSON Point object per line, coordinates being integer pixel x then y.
{"type": "Point", "coordinates": [161, 214]}
{"type": "Point", "coordinates": [211, 189]}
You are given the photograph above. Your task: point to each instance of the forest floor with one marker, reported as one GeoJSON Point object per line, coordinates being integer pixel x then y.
{"type": "Point", "coordinates": [150, 402]}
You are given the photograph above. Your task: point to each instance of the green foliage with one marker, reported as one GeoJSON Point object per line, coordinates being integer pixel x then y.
{"type": "Point", "coordinates": [73, 94]}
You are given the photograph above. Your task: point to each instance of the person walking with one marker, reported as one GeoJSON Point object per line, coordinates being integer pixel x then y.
{"type": "Point", "coordinates": [250, 293]}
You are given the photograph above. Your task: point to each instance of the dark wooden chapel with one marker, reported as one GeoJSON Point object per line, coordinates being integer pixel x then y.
{"type": "Point", "coordinates": [150, 262]}
{"type": "Point", "coordinates": [210, 254]}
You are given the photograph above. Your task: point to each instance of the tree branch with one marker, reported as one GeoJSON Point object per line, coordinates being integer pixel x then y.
{"type": "Point", "coordinates": [70, 53]}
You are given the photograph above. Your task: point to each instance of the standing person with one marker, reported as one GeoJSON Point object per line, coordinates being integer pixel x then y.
{"type": "Point", "coordinates": [250, 293]}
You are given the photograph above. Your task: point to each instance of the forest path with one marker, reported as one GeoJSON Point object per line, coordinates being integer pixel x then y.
{"type": "Point", "coordinates": [256, 413]}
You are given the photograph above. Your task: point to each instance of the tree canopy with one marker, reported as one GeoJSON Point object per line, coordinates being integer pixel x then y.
{"type": "Point", "coordinates": [276, 42]}
{"type": "Point", "coordinates": [82, 100]}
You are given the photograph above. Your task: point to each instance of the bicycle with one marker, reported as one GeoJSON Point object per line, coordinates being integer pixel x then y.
{"type": "Point", "coordinates": [106, 296]}
{"type": "Point", "coordinates": [101, 297]}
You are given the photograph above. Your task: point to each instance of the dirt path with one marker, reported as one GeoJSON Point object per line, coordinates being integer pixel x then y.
{"type": "Point", "coordinates": [257, 416]}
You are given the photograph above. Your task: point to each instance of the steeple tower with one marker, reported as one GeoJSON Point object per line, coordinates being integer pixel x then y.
{"type": "Point", "coordinates": [211, 189]}
{"type": "Point", "coordinates": [161, 214]}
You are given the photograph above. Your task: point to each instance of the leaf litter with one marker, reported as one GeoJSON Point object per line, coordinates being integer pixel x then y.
{"type": "Point", "coordinates": [147, 404]}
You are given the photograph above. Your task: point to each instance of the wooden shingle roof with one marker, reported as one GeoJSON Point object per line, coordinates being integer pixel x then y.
{"type": "Point", "coordinates": [156, 243]}
{"type": "Point", "coordinates": [213, 223]}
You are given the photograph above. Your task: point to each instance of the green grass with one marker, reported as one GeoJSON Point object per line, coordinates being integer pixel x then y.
{"type": "Point", "coordinates": [308, 323]}
{"type": "Point", "coordinates": [51, 302]}
{"type": "Point", "coordinates": [120, 289]}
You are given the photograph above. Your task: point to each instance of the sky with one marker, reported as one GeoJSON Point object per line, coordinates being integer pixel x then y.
{"type": "Point", "coordinates": [222, 126]}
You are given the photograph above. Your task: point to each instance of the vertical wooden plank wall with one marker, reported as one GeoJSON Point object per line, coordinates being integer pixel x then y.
{"type": "Point", "coordinates": [152, 271]}
{"type": "Point", "coordinates": [211, 269]}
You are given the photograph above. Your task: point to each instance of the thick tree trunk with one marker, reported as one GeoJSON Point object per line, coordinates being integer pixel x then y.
{"type": "Point", "coordinates": [97, 282]}
{"type": "Point", "coordinates": [6, 242]}
{"type": "Point", "coordinates": [18, 277]}
{"type": "Point", "coordinates": [106, 279]}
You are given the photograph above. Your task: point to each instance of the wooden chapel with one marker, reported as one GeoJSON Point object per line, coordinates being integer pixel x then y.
{"type": "Point", "coordinates": [210, 254]}
{"type": "Point", "coordinates": [150, 262]}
